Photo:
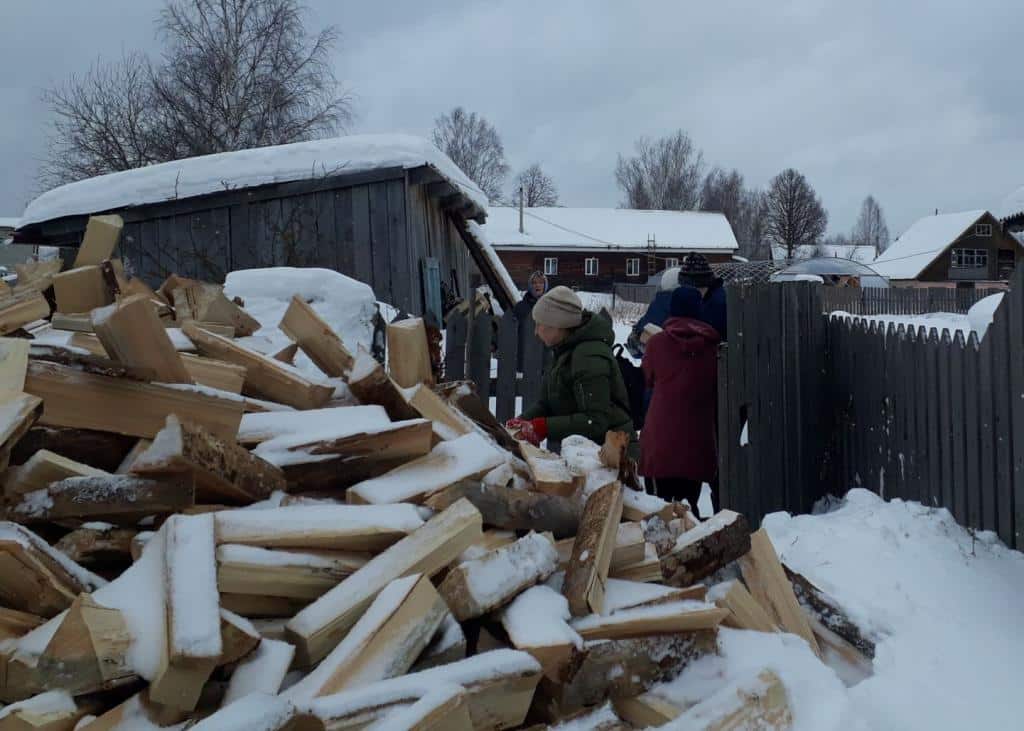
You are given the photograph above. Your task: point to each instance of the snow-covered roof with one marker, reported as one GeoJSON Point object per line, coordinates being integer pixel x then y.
{"type": "Point", "coordinates": [922, 243]}
{"type": "Point", "coordinates": [859, 254]}
{"type": "Point", "coordinates": [604, 228]}
{"type": "Point", "coordinates": [197, 176]}
{"type": "Point", "coordinates": [1011, 205]}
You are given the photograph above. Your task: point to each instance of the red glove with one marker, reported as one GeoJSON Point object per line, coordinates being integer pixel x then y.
{"type": "Point", "coordinates": [533, 431]}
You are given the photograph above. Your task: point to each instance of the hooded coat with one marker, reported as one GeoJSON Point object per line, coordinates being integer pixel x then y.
{"type": "Point", "coordinates": [583, 392]}
{"type": "Point", "coordinates": [713, 309]}
{"type": "Point", "coordinates": [680, 366]}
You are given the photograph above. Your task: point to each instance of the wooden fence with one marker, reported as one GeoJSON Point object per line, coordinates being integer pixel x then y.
{"type": "Point", "coordinates": [901, 301]}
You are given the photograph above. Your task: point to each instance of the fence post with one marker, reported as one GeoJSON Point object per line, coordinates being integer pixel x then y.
{"type": "Point", "coordinates": [480, 354]}
{"type": "Point", "coordinates": [456, 335]}
{"type": "Point", "coordinates": [533, 365]}
{"type": "Point", "coordinates": [508, 364]}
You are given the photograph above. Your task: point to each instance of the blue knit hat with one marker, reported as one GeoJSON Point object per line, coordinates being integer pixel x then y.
{"type": "Point", "coordinates": [686, 302]}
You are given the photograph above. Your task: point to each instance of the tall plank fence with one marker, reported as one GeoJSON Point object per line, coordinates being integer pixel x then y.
{"type": "Point", "coordinates": [902, 301]}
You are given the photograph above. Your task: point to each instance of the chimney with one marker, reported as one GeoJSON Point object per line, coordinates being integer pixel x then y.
{"type": "Point", "coordinates": [521, 209]}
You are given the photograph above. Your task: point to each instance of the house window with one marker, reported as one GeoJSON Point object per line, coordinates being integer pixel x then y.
{"type": "Point", "coordinates": [969, 259]}
{"type": "Point", "coordinates": [632, 267]}
{"type": "Point", "coordinates": [983, 229]}
{"type": "Point", "coordinates": [590, 267]}
{"type": "Point", "coordinates": [550, 266]}
{"type": "Point", "coordinates": [671, 262]}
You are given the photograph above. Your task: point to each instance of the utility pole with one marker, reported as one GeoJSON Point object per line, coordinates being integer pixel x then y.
{"type": "Point", "coordinates": [521, 210]}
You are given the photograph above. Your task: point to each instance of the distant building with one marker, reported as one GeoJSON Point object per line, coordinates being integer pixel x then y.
{"type": "Point", "coordinates": [961, 249]}
{"type": "Point", "coordinates": [7, 226]}
{"type": "Point", "coordinates": [1011, 212]}
{"type": "Point", "coordinates": [859, 254]}
{"type": "Point", "coordinates": [594, 248]}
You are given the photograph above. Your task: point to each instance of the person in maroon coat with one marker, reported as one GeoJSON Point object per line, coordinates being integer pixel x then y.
{"type": "Point", "coordinates": [678, 441]}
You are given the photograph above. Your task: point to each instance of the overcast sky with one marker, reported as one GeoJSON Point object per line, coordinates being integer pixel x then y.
{"type": "Point", "coordinates": [920, 104]}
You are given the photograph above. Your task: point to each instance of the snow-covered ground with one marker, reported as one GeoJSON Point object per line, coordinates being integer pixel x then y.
{"type": "Point", "coordinates": [943, 604]}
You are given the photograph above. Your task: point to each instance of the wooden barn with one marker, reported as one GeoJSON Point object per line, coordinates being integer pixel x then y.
{"type": "Point", "coordinates": [389, 210]}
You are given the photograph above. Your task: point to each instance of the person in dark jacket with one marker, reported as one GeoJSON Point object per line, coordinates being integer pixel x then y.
{"type": "Point", "coordinates": [678, 442]}
{"type": "Point", "coordinates": [536, 286]}
{"type": "Point", "coordinates": [657, 311]}
{"type": "Point", "coordinates": [582, 392]}
{"type": "Point", "coordinates": [696, 272]}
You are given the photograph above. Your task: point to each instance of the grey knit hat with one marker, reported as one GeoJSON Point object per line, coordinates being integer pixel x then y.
{"type": "Point", "coordinates": [561, 307]}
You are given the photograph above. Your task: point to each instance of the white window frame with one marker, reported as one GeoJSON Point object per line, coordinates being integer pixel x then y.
{"type": "Point", "coordinates": [550, 266]}
{"type": "Point", "coordinates": [983, 229]}
{"type": "Point", "coordinates": [633, 267]}
{"type": "Point", "coordinates": [671, 262]}
{"type": "Point", "coordinates": [588, 270]}
{"type": "Point", "coordinates": [969, 259]}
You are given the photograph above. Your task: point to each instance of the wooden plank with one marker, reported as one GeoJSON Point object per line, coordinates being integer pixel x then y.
{"type": "Point", "coordinates": [316, 338]}
{"type": "Point", "coordinates": [213, 373]}
{"type": "Point", "coordinates": [960, 483]}
{"type": "Point", "coordinates": [73, 398]}
{"type": "Point", "coordinates": [122, 499]}
{"type": "Point", "coordinates": [996, 350]}
{"type": "Point", "coordinates": [744, 611]}
{"type": "Point", "coordinates": [1013, 302]}
{"type": "Point", "coordinates": [101, 236]}
{"type": "Point", "coordinates": [132, 334]}
{"type": "Point", "coordinates": [384, 643]}
{"type": "Point", "coordinates": [508, 360]}
{"type": "Point", "coordinates": [409, 354]}
{"type": "Point", "coordinates": [707, 548]}
{"type": "Point", "coordinates": [645, 710]}
{"type": "Point", "coordinates": [380, 245]}
{"type": "Point", "coordinates": [768, 584]}
{"type": "Point", "coordinates": [18, 412]}
{"type": "Point", "coordinates": [293, 574]}
{"type": "Point", "coordinates": [663, 619]}
{"type": "Point", "coordinates": [470, 589]}
{"type": "Point", "coordinates": [81, 290]}
{"type": "Point", "coordinates": [319, 627]}
{"type": "Point", "coordinates": [222, 470]}
{"type": "Point", "coordinates": [972, 434]}
{"type": "Point", "coordinates": [43, 468]}
{"type": "Point", "coordinates": [13, 365]}
{"type": "Point", "coordinates": [21, 311]}
{"type": "Point", "coordinates": [479, 351]}
{"type": "Point", "coordinates": [587, 571]}
{"type": "Point", "coordinates": [457, 335]}
{"type": "Point", "coordinates": [511, 509]}
{"type": "Point", "coordinates": [448, 421]}
{"type": "Point", "coordinates": [265, 377]}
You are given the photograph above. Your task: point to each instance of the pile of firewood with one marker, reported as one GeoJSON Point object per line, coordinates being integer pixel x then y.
{"type": "Point", "coordinates": [199, 535]}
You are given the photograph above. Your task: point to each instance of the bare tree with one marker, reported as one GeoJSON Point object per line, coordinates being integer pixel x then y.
{"type": "Point", "coordinates": [475, 146]}
{"type": "Point", "coordinates": [750, 227]}
{"type": "Point", "coordinates": [538, 189]}
{"type": "Point", "coordinates": [102, 122]}
{"type": "Point", "coordinates": [794, 215]}
{"type": "Point", "coordinates": [870, 229]}
{"type": "Point", "coordinates": [723, 192]}
{"type": "Point", "coordinates": [665, 174]}
{"type": "Point", "coordinates": [234, 74]}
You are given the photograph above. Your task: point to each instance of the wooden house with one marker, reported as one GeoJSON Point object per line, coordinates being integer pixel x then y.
{"type": "Point", "coordinates": [952, 249]}
{"type": "Point", "coordinates": [596, 248]}
{"type": "Point", "coordinates": [1011, 213]}
{"type": "Point", "coordinates": [388, 210]}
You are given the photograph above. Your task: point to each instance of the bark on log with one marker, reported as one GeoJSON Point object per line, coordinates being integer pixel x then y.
{"type": "Point", "coordinates": [705, 549]}
{"type": "Point", "coordinates": [504, 507]}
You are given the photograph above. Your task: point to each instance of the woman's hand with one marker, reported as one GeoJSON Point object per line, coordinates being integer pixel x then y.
{"type": "Point", "coordinates": [533, 431]}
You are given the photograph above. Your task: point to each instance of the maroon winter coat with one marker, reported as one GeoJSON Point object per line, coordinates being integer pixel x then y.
{"type": "Point", "coordinates": [678, 438]}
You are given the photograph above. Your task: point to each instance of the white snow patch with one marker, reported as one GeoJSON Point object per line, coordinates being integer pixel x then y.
{"type": "Point", "coordinates": [538, 618]}
{"type": "Point", "coordinates": [492, 577]}
{"type": "Point", "coordinates": [194, 610]}
{"type": "Point", "coordinates": [304, 522]}
{"type": "Point", "coordinates": [261, 671]}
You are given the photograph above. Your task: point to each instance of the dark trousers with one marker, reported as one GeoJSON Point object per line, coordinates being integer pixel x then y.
{"type": "Point", "coordinates": [679, 488]}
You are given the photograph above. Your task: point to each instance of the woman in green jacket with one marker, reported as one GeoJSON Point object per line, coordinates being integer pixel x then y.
{"type": "Point", "coordinates": [583, 392]}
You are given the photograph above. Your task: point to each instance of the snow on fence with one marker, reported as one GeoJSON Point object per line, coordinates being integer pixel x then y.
{"type": "Point", "coordinates": [811, 405]}
{"type": "Point", "coordinates": [902, 301]}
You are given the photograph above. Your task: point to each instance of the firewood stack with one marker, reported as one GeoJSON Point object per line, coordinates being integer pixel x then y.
{"type": "Point", "coordinates": [199, 535]}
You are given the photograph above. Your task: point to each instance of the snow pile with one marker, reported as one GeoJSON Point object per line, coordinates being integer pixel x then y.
{"type": "Point", "coordinates": [530, 619]}
{"type": "Point", "coordinates": [982, 313]}
{"type": "Point", "coordinates": [196, 176]}
{"type": "Point", "coordinates": [977, 319]}
{"type": "Point", "coordinates": [346, 305]}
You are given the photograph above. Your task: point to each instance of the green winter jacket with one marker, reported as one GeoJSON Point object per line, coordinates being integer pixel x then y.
{"type": "Point", "coordinates": [583, 392]}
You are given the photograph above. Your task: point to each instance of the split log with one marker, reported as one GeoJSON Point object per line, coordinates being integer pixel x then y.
{"type": "Point", "coordinates": [479, 586]}
{"type": "Point", "coordinates": [316, 338]}
{"type": "Point", "coordinates": [141, 445]}
{"type": "Point", "coordinates": [367, 528]}
{"type": "Point", "coordinates": [587, 571]}
{"type": "Point", "coordinates": [510, 509]}
{"type": "Point", "coordinates": [88, 341]}
{"type": "Point", "coordinates": [670, 618]}
{"type": "Point", "coordinates": [13, 365]}
{"type": "Point", "coordinates": [88, 401]}
{"type": "Point", "coordinates": [499, 686]}
{"type": "Point", "coordinates": [36, 577]}
{"type": "Point", "coordinates": [648, 570]}
{"type": "Point", "coordinates": [201, 302]}
{"type": "Point", "coordinates": [18, 412]}
{"type": "Point", "coordinates": [81, 290]}
{"type": "Point", "coordinates": [384, 643]}
{"type": "Point", "coordinates": [75, 322]}
{"type": "Point", "coordinates": [646, 710]}
{"type": "Point", "coordinates": [621, 594]}
{"type": "Point", "coordinates": [626, 668]}
{"type": "Point", "coordinates": [137, 710]}
{"type": "Point", "coordinates": [50, 711]}
{"type": "Point", "coordinates": [101, 450]}
{"type": "Point", "coordinates": [264, 376]}
{"type": "Point", "coordinates": [132, 334]}
{"type": "Point", "coordinates": [552, 641]}
{"type": "Point", "coordinates": [826, 609]}
{"type": "Point", "coordinates": [194, 644]}
{"type": "Point", "coordinates": [704, 550]}
{"type": "Point", "coordinates": [318, 628]}
{"type": "Point", "coordinates": [467, 458]}
{"type": "Point", "coordinates": [213, 373]}
{"type": "Point", "coordinates": [448, 423]}
{"type": "Point", "coordinates": [286, 354]}
{"type": "Point", "coordinates": [95, 546]}
{"type": "Point", "coordinates": [371, 385]}
{"type": "Point", "coordinates": [744, 611]}
{"type": "Point", "coordinates": [260, 672]}
{"type": "Point", "coordinates": [629, 547]}
{"type": "Point", "coordinates": [768, 584]}
{"type": "Point", "coordinates": [259, 712]}
{"type": "Point", "coordinates": [43, 468]}
{"type": "Point", "coordinates": [223, 471]}
{"type": "Point", "coordinates": [238, 637]}
{"type": "Point", "coordinates": [261, 606]}
{"type": "Point", "coordinates": [448, 645]}
{"type": "Point", "coordinates": [463, 397]}
{"type": "Point", "coordinates": [19, 311]}
{"type": "Point", "coordinates": [119, 499]}
{"type": "Point", "coordinates": [37, 274]}
{"type": "Point", "coordinates": [549, 473]}
{"type": "Point", "coordinates": [15, 624]}
{"type": "Point", "coordinates": [293, 574]}
{"type": "Point", "coordinates": [759, 702]}
{"type": "Point", "coordinates": [288, 426]}
{"type": "Point", "coordinates": [100, 239]}
{"type": "Point", "coordinates": [638, 505]}
{"type": "Point", "coordinates": [442, 709]}
{"type": "Point", "coordinates": [409, 353]}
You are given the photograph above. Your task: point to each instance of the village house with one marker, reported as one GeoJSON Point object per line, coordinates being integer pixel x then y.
{"type": "Point", "coordinates": [963, 249]}
{"type": "Point", "coordinates": [852, 252]}
{"type": "Point", "coordinates": [388, 210]}
{"type": "Point", "coordinates": [595, 248]}
{"type": "Point", "coordinates": [1011, 213]}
